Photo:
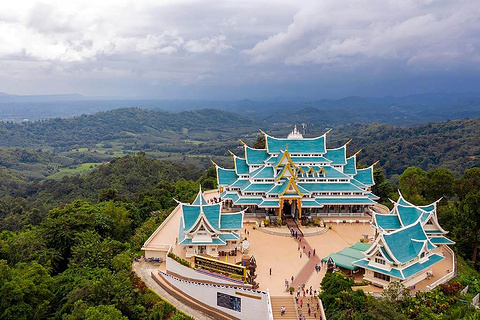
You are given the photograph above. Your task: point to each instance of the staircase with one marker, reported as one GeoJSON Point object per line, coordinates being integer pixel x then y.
{"type": "Point", "coordinates": [290, 309]}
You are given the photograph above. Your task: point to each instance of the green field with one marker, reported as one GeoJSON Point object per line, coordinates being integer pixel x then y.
{"type": "Point", "coordinates": [73, 170]}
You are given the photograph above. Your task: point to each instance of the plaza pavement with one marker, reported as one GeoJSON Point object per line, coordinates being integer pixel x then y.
{"type": "Point", "coordinates": [282, 255]}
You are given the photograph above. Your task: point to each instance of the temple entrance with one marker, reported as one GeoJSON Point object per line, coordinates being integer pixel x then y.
{"type": "Point", "coordinates": [287, 211]}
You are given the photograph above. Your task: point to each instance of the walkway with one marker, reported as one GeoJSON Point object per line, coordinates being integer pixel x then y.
{"type": "Point", "coordinates": [308, 268]}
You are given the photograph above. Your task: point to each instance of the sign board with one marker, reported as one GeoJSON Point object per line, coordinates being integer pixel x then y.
{"type": "Point", "coordinates": [464, 290]}
{"type": "Point", "coordinates": [228, 301]}
{"type": "Point", "coordinates": [219, 266]}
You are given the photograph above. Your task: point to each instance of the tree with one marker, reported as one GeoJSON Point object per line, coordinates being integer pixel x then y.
{"type": "Point", "coordinates": [382, 187]}
{"type": "Point", "coordinates": [260, 142]}
{"type": "Point", "coordinates": [440, 183]}
{"type": "Point", "coordinates": [412, 183]}
{"type": "Point", "coordinates": [468, 224]}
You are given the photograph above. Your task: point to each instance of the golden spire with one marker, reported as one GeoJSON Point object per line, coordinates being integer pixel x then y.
{"type": "Point", "coordinates": [357, 152]}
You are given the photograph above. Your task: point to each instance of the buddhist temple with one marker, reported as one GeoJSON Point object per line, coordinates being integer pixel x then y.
{"type": "Point", "coordinates": [297, 177]}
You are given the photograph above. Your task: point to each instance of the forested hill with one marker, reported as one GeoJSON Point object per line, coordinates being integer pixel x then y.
{"type": "Point", "coordinates": [454, 145]}
{"type": "Point", "coordinates": [138, 179]}
{"type": "Point", "coordinates": [196, 136]}
{"type": "Point", "coordinates": [115, 124]}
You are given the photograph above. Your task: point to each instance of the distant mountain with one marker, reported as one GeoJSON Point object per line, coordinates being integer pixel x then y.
{"type": "Point", "coordinates": [406, 110]}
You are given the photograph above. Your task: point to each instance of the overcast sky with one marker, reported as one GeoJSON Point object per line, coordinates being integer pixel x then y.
{"type": "Point", "coordinates": [239, 49]}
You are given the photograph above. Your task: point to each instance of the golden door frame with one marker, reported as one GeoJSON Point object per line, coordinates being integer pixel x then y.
{"type": "Point", "coordinates": [290, 201]}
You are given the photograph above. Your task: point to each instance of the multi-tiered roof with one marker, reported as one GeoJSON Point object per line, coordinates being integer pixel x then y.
{"type": "Point", "coordinates": [406, 240]}
{"type": "Point", "coordinates": [296, 167]}
{"type": "Point", "coordinates": [204, 224]}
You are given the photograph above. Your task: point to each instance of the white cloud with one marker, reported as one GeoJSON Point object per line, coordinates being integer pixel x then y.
{"type": "Point", "coordinates": [234, 42]}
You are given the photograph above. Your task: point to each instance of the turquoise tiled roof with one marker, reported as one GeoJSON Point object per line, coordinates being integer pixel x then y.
{"type": "Point", "coordinates": [199, 199]}
{"type": "Point", "coordinates": [231, 221]}
{"type": "Point", "coordinates": [309, 159]}
{"type": "Point", "coordinates": [263, 173]}
{"type": "Point", "coordinates": [392, 272]}
{"type": "Point", "coordinates": [441, 240]}
{"type": "Point", "coordinates": [417, 267]}
{"type": "Point", "coordinates": [357, 183]}
{"type": "Point", "coordinates": [269, 204]}
{"type": "Point", "coordinates": [347, 256]}
{"type": "Point", "coordinates": [314, 145]}
{"type": "Point", "coordinates": [242, 184]}
{"type": "Point", "coordinates": [228, 236]}
{"type": "Point", "coordinates": [365, 176]}
{"type": "Point", "coordinates": [226, 176]}
{"type": "Point", "coordinates": [278, 189]}
{"type": "Point", "coordinates": [405, 203]}
{"type": "Point", "coordinates": [241, 166]}
{"type": "Point", "coordinates": [230, 195]}
{"type": "Point", "coordinates": [255, 156]}
{"type": "Point", "coordinates": [409, 215]}
{"type": "Point", "coordinates": [350, 167]}
{"type": "Point", "coordinates": [259, 187]}
{"type": "Point", "coordinates": [434, 231]}
{"type": "Point", "coordinates": [273, 159]}
{"type": "Point", "coordinates": [388, 221]}
{"type": "Point", "coordinates": [311, 204]}
{"type": "Point", "coordinates": [334, 173]}
{"type": "Point", "coordinates": [385, 254]}
{"type": "Point", "coordinates": [345, 201]}
{"type": "Point", "coordinates": [211, 213]}
{"type": "Point", "coordinates": [373, 196]}
{"type": "Point", "coordinates": [428, 208]}
{"type": "Point", "coordinates": [337, 156]}
{"type": "Point", "coordinates": [404, 244]}
{"type": "Point", "coordinates": [245, 201]}
{"type": "Point", "coordinates": [329, 186]}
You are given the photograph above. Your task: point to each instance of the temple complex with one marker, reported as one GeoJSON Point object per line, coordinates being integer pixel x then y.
{"type": "Point", "coordinates": [297, 177]}
{"type": "Point", "coordinates": [206, 247]}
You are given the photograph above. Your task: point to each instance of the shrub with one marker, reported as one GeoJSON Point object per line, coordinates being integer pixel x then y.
{"type": "Point", "coordinates": [179, 260]}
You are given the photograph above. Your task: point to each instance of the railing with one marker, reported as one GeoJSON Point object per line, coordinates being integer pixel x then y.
{"type": "Point", "coordinates": [448, 276]}
{"type": "Point", "coordinates": [269, 306]}
{"type": "Point", "coordinates": [322, 311]}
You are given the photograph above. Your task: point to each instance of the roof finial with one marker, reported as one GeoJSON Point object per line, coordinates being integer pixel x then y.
{"type": "Point", "coordinates": [233, 154]}
{"type": "Point", "coordinates": [243, 143]}
{"type": "Point", "coordinates": [375, 163]}
{"type": "Point", "coordinates": [357, 152]}
{"type": "Point", "coordinates": [262, 132]}
{"type": "Point", "coordinates": [328, 131]}
{"type": "Point", "coordinates": [213, 162]}
{"type": "Point", "coordinates": [295, 134]}
{"type": "Point", "coordinates": [346, 143]}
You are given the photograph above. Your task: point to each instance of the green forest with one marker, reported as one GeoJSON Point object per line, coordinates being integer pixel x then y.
{"type": "Point", "coordinates": [67, 243]}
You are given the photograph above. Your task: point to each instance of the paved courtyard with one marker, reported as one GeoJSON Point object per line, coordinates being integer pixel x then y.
{"type": "Point", "coordinates": [282, 255]}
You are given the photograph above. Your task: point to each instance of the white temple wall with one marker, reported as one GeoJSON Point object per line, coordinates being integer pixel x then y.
{"type": "Point", "coordinates": [253, 304]}
{"type": "Point", "coordinates": [416, 279]}
{"type": "Point", "coordinates": [162, 254]}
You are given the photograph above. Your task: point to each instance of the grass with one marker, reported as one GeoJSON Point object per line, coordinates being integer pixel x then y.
{"type": "Point", "coordinates": [70, 171]}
